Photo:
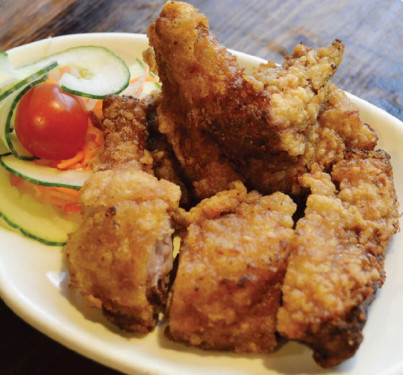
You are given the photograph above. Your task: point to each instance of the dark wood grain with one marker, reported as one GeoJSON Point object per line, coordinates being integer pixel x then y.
{"type": "Point", "coordinates": [372, 31]}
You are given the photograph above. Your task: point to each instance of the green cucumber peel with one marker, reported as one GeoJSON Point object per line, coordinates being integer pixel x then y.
{"type": "Point", "coordinates": [28, 234]}
{"type": "Point", "coordinates": [10, 120]}
{"type": "Point", "coordinates": [101, 72]}
{"type": "Point", "coordinates": [18, 82]}
{"type": "Point", "coordinates": [43, 175]}
{"type": "Point", "coordinates": [30, 217]}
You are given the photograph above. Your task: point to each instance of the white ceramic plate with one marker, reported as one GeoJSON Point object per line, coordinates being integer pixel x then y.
{"type": "Point", "coordinates": [33, 281]}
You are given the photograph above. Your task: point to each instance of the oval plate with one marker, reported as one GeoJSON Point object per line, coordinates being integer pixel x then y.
{"type": "Point", "coordinates": [34, 283]}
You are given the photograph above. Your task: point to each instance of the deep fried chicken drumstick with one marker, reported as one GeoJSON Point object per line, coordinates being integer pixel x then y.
{"type": "Point", "coordinates": [121, 256]}
{"type": "Point", "coordinates": [231, 265]}
{"type": "Point", "coordinates": [336, 265]}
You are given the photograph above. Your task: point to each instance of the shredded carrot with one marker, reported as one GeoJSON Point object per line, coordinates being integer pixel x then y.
{"type": "Point", "coordinates": [15, 180]}
{"type": "Point", "coordinates": [72, 162]}
{"type": "Point", "coordinates": [72, 192]}
{"type": "Point", "coordinates": [89, 151]}
{"type": "Point", "coordinates": [151, 79]}
{"type": "Point", "coordinates": [135, 79]}
{"type": "Point", "coordinates": [58, 201]}
{"type": "Point", "coordinates": [87, 154]}
{"type": "Point", "coordinates": [51, 81]}
{"type": "Point", "coordinates": [98, 109]}
{"type": "Point", "coordinates": [97, 135]}
{"type": "Point", "coordinates": [64, 69]}
{"type": "Point", "coordinates": [63, 199]}
{"type": "Point", "coordinates": [72, 208]}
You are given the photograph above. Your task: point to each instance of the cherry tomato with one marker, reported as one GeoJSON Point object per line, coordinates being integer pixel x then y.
{"type": "Point", "coordinates": [51, 123]}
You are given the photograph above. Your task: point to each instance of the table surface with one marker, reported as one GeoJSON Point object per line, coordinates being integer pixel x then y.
{"type": "Point", "coordinates": [372, 69]}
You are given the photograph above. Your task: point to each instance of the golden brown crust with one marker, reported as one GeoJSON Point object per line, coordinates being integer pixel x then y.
{"type": "Point", "coordinates": [121, 255]}
{"type": "Point", "coordinates": [336, 265]}
{"type": "Point", "coordinates": [125, 133]}
{"type": "Point", "coordinates": [108, 256]}
{"type": "Point", "coordinates": [205, 165]}
{"type": "Point", "coordinates": [231, 264]}
{"type": "Point", "coordinates": [338, 128]}
{"type": "Point", "coordinates": [298, 89]}
{"type": "Point", "coordinates": [203, 79]}
{"type": "Point", "coordinates": [267, 128]}
{"type": "Point", "coordinates": [341, 116]}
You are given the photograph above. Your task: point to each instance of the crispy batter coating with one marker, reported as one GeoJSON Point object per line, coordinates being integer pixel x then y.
{"type": "Point", "coordinates": [337, 129]}
{"type": "Point", "coordinates": [248, 115]}
{"type": "Point", "coordinates": [340, 128]}
{"type": "Point", "coordinates": [126, 228]}
{"type": "Point", "coordinates": [165, 163]}
{"type": "Point", "coordinates": [267, 128]}
{"type": "Point", "coordinates": [125, 133]}
{"type": "Point", "coordinates": [231, 264]}
{"type": "Point", "coordinates": [336, 265]}
{"type": "Point", "coordinates": [121, 256]}
{"type": "Point", "coordinates": [205, 166]}
{"type": "Point", "coordinates": [298, 89]}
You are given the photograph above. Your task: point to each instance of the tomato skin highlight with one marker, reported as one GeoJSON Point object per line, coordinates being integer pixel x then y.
{"type": "Point", "coordinates": [51, 123]}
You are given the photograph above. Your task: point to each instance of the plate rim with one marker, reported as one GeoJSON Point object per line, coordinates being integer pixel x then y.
{"type": "Point", "coordinates": [10, 294]}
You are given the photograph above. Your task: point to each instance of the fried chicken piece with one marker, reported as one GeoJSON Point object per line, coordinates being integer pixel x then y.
{"type": "Point", "coordinates": [205, 165]}
{"type": "Point", "coordinates": [121, 256]}
{"type": "Point", "coordinates": [125, 132]}
{"type": "Point", "coordinates": [231, 265]}
{"type": "Point", "coordinates": [337, 129]}
{"type": "Point", "coordinates": [248, 115]}
{"type": "Point", "coordinates": [266, 128]}
{"type": "Point", "coordinates": [337, 262]}
{"type": "Point", "coordinates": [165, 163]}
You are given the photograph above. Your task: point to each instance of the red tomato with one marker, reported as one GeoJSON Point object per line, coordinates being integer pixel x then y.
{"type": "Point", "coordinates": [51, 123]}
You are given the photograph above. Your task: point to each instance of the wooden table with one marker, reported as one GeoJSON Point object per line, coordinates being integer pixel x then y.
{"type": "Point", "coordinates": [372, 31]}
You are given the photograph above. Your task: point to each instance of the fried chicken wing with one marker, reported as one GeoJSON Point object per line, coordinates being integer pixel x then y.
{"type": "Point", "coordinates": [121, 256]}
{"type": "Point", "coordinates": [337, 262]}
{"type": "Point", "coordinates": [231, 264]}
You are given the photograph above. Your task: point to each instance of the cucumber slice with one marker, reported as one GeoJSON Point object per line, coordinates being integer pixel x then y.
{"type": "Point", "coordinates": [7, 72]}
{"type": "Point", "coordinates": [12, 79]}
{"type": "Point", "coordinates": [42, 175]}
{"type": "Point", "coordinates": [138, 70]}
{"type": "Point", "coordinates": [32, 218]}
{"type": "Point", "coordinates": [100, 71]}
{"type": "Point", "coordinates": [3, 148]}
{"type": "Point", "coordinates": [7, 116]}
